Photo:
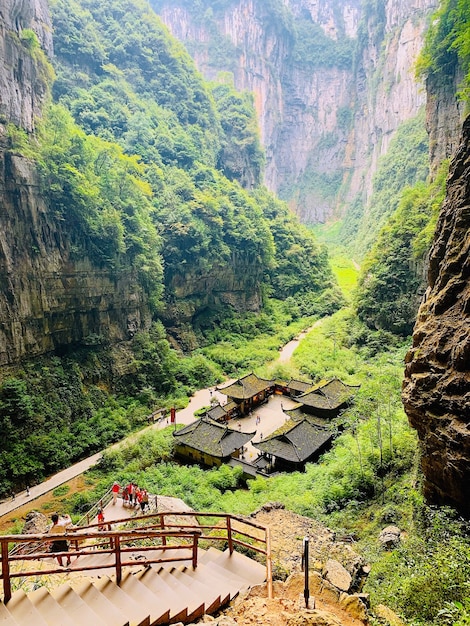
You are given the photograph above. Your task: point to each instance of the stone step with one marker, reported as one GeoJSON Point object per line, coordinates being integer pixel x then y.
{"type": "Point", "coordinates": [186, 598]}
{"type": "Point", "coordinates": [169, 600]}
{"type": "Point", "coordinates": [227, 586]}
{"type": "Point", "coordinates": [240, 565]}
{"type": "Point", "coordinates": [104, 607]}
{"type": "Point", "coordinates": [6, 618]}
{"type": "Point", "coordinates": [136, 612]}
{"type": "Point", "coordinates": [50, 609]}
{"type": "Point", "coordinates": [76, 608]}
{"type": "Point", "coordinates": [23, 610]}
{"type": "Point", "coordinates": [194, 579]}
{"type": "Point", "coordinates": [96, 559]}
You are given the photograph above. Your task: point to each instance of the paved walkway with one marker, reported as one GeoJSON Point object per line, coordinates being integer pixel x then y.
{"type": "Point", "coordinates": [270, 413]}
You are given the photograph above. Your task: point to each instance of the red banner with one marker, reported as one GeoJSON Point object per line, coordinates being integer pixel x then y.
{"type": "Point", "coordinates": [173, 414]}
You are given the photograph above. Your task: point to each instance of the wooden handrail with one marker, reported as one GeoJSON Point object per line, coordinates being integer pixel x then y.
{"type": "Point", "coordinates": [151, 527]}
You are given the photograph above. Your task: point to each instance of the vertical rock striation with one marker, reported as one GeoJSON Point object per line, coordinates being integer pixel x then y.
{"type": "Point", "coordinates": [324, 126]}
{"type": "Point", "coordinates": [21, 90]}
{"type": "Point", "coordinates": [436, 389]}
{"type": "Point", "coordinates": [51, 296]}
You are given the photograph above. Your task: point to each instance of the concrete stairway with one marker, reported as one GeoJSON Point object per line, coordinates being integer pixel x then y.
{"type": "Point", "coordinates": [148, 595]}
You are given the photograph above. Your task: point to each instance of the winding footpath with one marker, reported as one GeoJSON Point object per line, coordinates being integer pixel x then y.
{"type": "Point", "coordinates": [270, 414]}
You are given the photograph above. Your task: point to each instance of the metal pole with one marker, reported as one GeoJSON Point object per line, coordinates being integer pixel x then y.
{"type": "Point", "coordinates": [305, 565]}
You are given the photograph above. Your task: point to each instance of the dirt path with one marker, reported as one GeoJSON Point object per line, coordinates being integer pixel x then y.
{"type": "Point", "coordinates": [288, 350]}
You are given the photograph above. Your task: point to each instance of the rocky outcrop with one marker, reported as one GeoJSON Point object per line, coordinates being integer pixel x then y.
{"type": "Point", "coordinates": [325, 126]}
{"type": "Point", "coordinates": [436, 389]}
{"type": "Point", "coordinates": [22, 89]}
{"type": "Point", "coordinates": [53, 294]}
{"type": "Point", "coordinates": [444, 116]}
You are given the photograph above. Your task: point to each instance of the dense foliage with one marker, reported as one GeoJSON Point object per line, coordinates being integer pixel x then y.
{"type": "Point", "coordinates": [143, 163]}
{"type": "Point", "coordinates": [405, 163]}
{"type": "Point", "coordinates": [391, 282]}
{"type": "Point", "coordinates": [196, 142]}
{"type": "Point", "coordinates": [448, 45]}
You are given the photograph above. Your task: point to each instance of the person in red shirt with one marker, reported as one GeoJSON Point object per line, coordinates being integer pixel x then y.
{"type": "Point", "coordinates": [101, 519]}
{"type": "Point", "coordinates": [115, 490]}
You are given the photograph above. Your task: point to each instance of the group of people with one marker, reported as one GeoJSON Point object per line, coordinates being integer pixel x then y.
{"type": "Point", "coordinates": [133, 496]}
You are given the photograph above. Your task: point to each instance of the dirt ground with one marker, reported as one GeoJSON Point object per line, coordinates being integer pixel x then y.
{"type": "Point", "coordinates": [327, 606]}
{"type": "Point", "coordinates": [12, 523]}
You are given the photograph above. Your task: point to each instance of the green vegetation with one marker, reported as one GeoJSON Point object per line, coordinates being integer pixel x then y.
{"type": "Point", "coordinates": [143, 164]}
{"type": "Point", "coordinates": [367, 481]}
{"type": "Point", "coordinates": [241, 151]}
{"type": "Point", "coordinates": [391, 283]}
{"type": "Point", "coordinates": [405, 163]}
{"type": "Point", "coordinates": [447, 46]}
{"type": "Point", "coordinates": [196, 143]}
{"type": "Point", "coordinates": [314, 48]}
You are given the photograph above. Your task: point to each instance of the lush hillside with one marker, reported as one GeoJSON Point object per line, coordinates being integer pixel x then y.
{"type": "Point", "coordinates": [154, 173]}
{"type": "Point", "coordinates": [125, 80]}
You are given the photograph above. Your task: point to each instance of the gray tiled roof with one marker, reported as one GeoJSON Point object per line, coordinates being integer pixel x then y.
{"type": "Point", "coordinates": [298, 444]}
{"type": "Point", "coordinates": [299, 385]}
{"type": "Point", "coordinates": [246, 387]}
{"type": "Point", "coordinates": [297, 414]}
{"type": "Point", "coordinates": [216, 412]}
{"type": "Point", "coordinates": [328, 395]}
{"type": "Point", "coordinates": [212, 438]}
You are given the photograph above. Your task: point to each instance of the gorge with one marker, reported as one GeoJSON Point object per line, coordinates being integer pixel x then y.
{"type": "Point", "coordinates": [143, 243]}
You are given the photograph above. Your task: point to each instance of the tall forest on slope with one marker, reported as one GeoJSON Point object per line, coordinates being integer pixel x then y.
{"type": "Point", "coordinates": [335, 85]}
{"type": "Point", "coordinates": [133, 198]}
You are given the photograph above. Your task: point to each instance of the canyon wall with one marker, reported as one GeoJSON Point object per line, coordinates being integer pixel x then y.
{"type": "Point", "coordinates": [53, 294]}
{"type": "Point", "coordinates": [436, 389]}
{"type": "Point", "coordinates": [325, 125]}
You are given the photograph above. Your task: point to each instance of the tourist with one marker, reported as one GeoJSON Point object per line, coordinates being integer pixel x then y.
{"type": "Point", "coordinates": [131, 490]}
{"type": "Point", "coordinates": [144, 500]}
{"type": "Point", "coordinates": [115, 491]}
{"type": "Point", "coordinates": [101, 519]}
{"type": "Point", "coordinates": [59, 527]}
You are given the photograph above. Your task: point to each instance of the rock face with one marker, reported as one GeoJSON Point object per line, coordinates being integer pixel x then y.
{"type": "Point", "coordinates": [323, 127]}
{"type": "Point", "coordinates": [51, 296]}
{"type": "Point", "coordinates": [21, 90]}
{"type": "Point", "coordinates": [436, 389]}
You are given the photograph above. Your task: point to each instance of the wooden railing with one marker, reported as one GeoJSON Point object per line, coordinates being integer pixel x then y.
{"type": "Point", "coordinates": [147, 536]}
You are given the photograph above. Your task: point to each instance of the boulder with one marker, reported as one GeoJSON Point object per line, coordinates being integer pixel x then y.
{"type": "Point", "coordinates": [390, 537]}
{"type": "Point", "coordinates": [35, 524]}
{"type": "Point", "coordinates": [337, 575]}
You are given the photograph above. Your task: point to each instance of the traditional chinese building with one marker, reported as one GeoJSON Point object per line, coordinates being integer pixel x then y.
{"type": "Point", "coordinates": [220, 413]}
{"type": "Point", "coordinates": [248, 392]}
{"type": "Point", "coordinates": [209, 443]}
{"type": "Point", "coordinates": [294, 445]}
{"type": "Point", "coordinates": [327, 399]}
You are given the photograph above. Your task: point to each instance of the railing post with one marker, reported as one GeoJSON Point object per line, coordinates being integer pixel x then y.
{"type": "Point", "coordinates": [162, 526]}
{"type": "Point", "coordinates": [195, 546]}
{"type": "Point", "coordinates": [117, 554]}
{"type": "Point", "coordinates": [269, 565]}
{"type": "Point", "coordinates": [6, 573]}
{"type": "Point", "coordinates": [229, 534]}
{"type": "Point", "coordinates": [305, 564]}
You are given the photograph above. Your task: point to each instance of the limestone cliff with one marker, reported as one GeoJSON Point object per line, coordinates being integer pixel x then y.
{"type": "Point", "coordinates": [21, 90]}
{"type": "Point", "coordinates": [51, 296]}
{"type": "Point", "coordinates": [323, 126]}
{"type": "Point", "coordinates": [436, 390]}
